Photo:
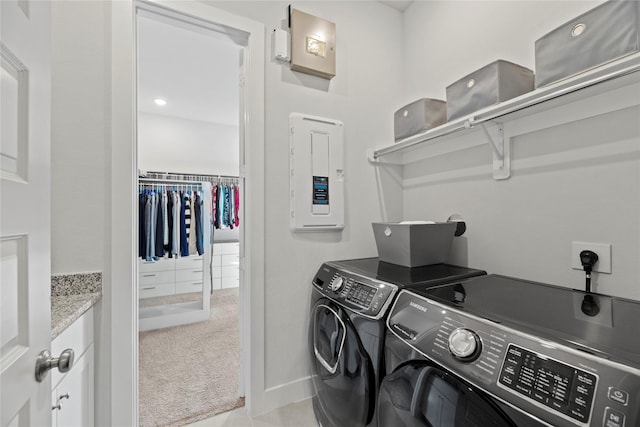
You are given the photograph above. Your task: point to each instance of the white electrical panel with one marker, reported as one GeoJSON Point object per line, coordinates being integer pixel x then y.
{"type": "Point", "coordinates": [317, 173]}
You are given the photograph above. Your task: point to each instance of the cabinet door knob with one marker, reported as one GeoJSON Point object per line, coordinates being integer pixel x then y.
{"type": "Point", "coordinates": [45, 362]}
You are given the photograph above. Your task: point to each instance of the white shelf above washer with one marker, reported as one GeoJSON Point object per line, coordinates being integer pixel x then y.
{"type": "Point", "coordinates": [488, 124]}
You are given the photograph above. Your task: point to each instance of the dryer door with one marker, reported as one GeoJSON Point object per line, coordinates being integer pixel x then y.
{"type": "Point", "coordinates": [342, 372]}
{"type": "Point", "coordinates": [420, 394]}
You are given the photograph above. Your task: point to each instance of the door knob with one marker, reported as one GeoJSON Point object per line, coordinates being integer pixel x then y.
{"type": "Point", "coordinates": [45, 362]}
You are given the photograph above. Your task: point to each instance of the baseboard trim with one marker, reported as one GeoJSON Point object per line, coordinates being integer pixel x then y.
{"type": "Point", "coordinates": [285, 394]}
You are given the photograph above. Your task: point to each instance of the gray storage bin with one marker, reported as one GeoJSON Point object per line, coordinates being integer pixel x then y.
{"type": "Point", "coordinates": [419, 116]}
{"type": "Point", "coordinates": [491, 84]}
{"type": "Point", "coordinates": [414, 245]}
{"type": "Point", "coordinates": [607, 32]}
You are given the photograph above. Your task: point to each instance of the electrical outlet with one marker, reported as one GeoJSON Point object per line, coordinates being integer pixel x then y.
{"type": "Point", "coordinates": [602, 249]}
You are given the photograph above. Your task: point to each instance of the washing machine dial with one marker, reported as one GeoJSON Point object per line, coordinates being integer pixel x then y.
{"type": "Point", "coordinates": [465, 345]}
{"type": "Point", "coordinates": [336, 284]}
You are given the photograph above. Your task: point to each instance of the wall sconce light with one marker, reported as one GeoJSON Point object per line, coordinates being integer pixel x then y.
{"type": "Point", "coordinates": [315, 46]}
{"type": "Point", "coordinates": [313, 49]}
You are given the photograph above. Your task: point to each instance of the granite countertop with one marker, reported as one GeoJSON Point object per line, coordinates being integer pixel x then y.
{"type": "Point", "coordinates": [71, 296]}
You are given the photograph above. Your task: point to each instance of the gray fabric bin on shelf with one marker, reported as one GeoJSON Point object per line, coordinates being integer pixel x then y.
{"type": "Point", "coordinates": [414, 244]}
{"type": "Point", "coordinates": [490, 85]}
{"type": "Point", "coordinates": [604, 33]}
{"type": "Point", "coordinates": [421, 115]}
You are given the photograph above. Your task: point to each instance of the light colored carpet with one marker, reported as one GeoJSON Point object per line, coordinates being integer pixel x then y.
{"type": "Point", "coordinates": [189, 373]}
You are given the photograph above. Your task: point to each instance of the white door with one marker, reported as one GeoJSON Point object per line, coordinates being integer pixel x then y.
{"type": "Point", "coordinates": [25, 225]}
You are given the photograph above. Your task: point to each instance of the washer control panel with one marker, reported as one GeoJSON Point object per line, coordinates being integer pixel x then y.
{"type": "Point", "coordinates": [554, 381]}
{"type": "Point", "coordinates": [556, 385]}
{"type": "Point", "coordinates": [361, 294]}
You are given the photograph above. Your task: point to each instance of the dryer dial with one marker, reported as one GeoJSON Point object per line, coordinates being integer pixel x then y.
{"type": "Point", "coordinates": [336, 284]}
{"type": "Point", "coordinates": [465, 345]}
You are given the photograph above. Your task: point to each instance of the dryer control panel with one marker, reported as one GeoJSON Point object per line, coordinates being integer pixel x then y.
{"type": "Point", "coordinates": [360, 294]}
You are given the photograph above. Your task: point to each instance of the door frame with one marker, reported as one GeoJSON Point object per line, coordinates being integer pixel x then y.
{"type": "Point", "coordinates": [117, 382]}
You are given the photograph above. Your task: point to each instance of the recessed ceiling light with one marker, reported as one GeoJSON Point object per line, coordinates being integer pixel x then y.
{"type": "Point", "coordinates": [160, 101]}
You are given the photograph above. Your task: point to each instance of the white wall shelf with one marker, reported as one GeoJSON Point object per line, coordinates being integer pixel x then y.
{"type": "Point", "coordinates": [589, 94]}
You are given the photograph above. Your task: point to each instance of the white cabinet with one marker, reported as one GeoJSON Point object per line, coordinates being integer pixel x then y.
{"type": "Point", "coordinates": [72, 395]}
{"type": "Point", "coordinates": [189, 274]}
{"type": "Point", "coordinates": [170, 276]}
{"type": "Point", "coordinates": [226, 265]}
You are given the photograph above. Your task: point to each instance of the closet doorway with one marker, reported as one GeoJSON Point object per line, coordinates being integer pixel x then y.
{"type": "Point", "coordinates": [189, 134]}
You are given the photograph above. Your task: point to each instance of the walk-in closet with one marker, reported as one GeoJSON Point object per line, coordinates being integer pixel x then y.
{"type": "Point", "coordinates": [190, 216]}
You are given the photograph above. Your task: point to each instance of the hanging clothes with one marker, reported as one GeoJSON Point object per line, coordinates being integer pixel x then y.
{"type": "Point", "coordinates": [199, 223]}
{"type": "Point", "coordinates": [159, 250]}
{"type": "Point", "coordinates": [142, 240]}
{"type": "Point", "coordinates": [168, 232]}
{"type": "Point", "coordinates": [184, 208]}
{"type": "Point", "coordinates": [214, 206]}
{"type": "Point", "coordinates": [192, 225]}
{"type": "Point", "coordinates": [171, 222]}
{"type": "Point", "coordinates": [165, 222]}
{"type": "Point", "coordinates": [236, 213]}
{"type": "Point", "coordinates": [225, 206]}
{"type": "Point", "coordinates": [175, 244]}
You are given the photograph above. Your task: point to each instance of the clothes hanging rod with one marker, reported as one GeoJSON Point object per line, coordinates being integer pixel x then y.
{"type": "Point", "coordinates": [192, 175]}
{"type": "Point", "coordinates": [167, 181]}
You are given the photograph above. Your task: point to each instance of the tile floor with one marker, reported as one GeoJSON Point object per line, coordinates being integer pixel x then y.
{"type": "Point", "coordinates": [299, 414]}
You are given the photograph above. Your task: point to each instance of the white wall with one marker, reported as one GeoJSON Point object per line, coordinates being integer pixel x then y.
{"type": "Point", "coordinates": [78, 137]}
{"type": "Point", "coordinates": [574, 182]}
{"type": "Point", "coordinates": [446, 40]}
{"type": "Point", "coordinates": [80, 158]}
{"type": "Point", "coordinates": [362, 95]}
{"type": "Point", "coordinates": [173, 144]}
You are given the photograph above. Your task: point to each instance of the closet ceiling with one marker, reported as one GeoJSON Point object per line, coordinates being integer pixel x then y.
{"type": "Point", "coordinates": [196, 72]}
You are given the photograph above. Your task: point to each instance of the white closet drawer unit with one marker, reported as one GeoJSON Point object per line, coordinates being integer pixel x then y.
{"type": "Point", "coordinates": [194, 274]}
{"type": "Point", "coordinates": [229, 248]}
{"type": "Point", "coordinates": [229, 282]}
{"type": "Point", "coordinates": [155, 278]}
{"type": "Point", "coordinates": [157, 290]}
{"type": "Point", "coordinates": [186, 287]}
{"type": "Point", "coordinates": [230, 271]}
{"type": "Point", "coordinates": [217, 260]}
{"type": "Point", "coordinates": [189, 262]}
{"type": "Point", "coordinates": [153, 266]}
{"type": "Point", "coordinates": [226, 264]}
{"type": "Point", "coordinates": [230, 260]}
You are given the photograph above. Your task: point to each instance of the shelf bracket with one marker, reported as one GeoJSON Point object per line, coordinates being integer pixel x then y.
{"type": "Point", "coordinates": [375, 161]}
{"type": "Point", "coordinates": [501, 148]}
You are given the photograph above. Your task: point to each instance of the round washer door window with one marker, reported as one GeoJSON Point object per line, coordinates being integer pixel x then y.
{"type": "Point", "coordinates": [342, 372]}
{"type": "Point", "coordinates": [419, 394]}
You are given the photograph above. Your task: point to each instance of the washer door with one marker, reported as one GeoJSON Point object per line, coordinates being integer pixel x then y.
{"type": "Point", "coordinates": [420, 394]}
{"type": "Point", "coordinates": [342, 372]}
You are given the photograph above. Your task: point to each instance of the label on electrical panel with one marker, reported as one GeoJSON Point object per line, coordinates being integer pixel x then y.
{"type": "Point", "coordinates": [320, 190]}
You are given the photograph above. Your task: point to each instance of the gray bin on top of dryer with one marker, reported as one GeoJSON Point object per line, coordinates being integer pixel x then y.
{"type": "Point", "coordinates": [602, 34]}
{"type": "Point", "coordinates": [490, 85]}
{"type": "Point", "coordinates": [414, 245]}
